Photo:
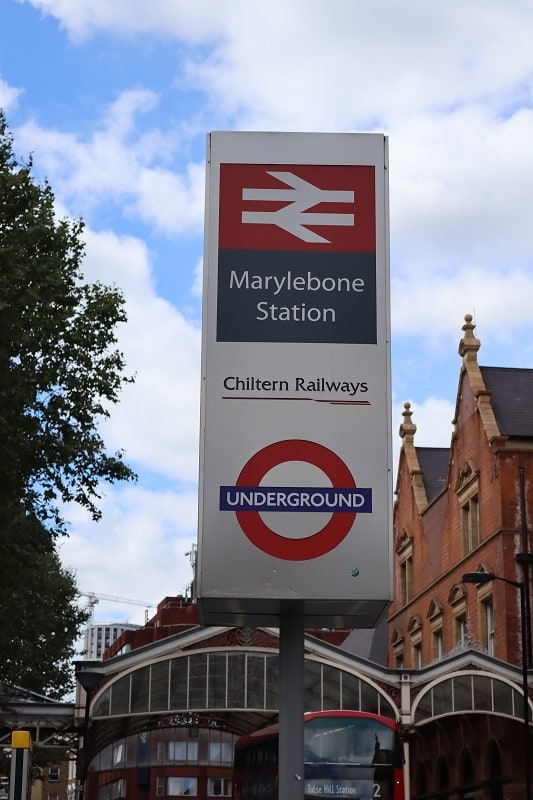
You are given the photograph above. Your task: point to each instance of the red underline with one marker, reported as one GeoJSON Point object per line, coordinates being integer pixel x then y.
{"type": "Point", "coordinates": [299, 399]}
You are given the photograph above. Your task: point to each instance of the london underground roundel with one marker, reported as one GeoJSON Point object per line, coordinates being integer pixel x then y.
{"type": "Point", "coordinates": [343, 500]}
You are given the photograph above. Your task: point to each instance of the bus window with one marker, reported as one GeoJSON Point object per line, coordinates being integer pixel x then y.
{"type": "Point", "coordinates": [366, 742]}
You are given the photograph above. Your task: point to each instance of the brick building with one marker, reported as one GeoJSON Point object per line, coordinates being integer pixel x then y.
{"type": "Point", "coordinates": [52, 784]}
{"type": "Point", "coordinates": [464, 509]}
{"type": "Point", "coordinates": [172, 697]}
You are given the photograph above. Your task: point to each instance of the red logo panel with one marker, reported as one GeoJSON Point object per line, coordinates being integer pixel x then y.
{"type": "Point", "coordinates": [297, 207]}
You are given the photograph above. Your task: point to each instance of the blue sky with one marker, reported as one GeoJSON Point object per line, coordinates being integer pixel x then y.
{"type": "Point", "coordinates": [114, 98]}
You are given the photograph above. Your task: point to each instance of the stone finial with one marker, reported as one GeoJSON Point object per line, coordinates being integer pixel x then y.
{"type": "Point", "coordinates": [408, 427]}
{"type": "Point", "coordinates": [469, 345]}
{"type": "Point", "coordinates": [468, 348]}
{"type": "Point", "coordinates": [407, 433]}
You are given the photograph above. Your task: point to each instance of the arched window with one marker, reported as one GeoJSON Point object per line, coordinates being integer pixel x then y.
{"type": "Point", "coordinates": [493, 769]}
{"type": "Point", "coordinates": [404, 551]}
{"type": "Point", "coordinates": [414, 629]}
{"type": "Point", "coordinates": [397, 647]}
{"type": "Point", "coordinates": [466, 769]}
{"type": "Point", "coordinates": [467, 489]}
{"type": "Point", "coordinates": [442, 776]}
{"type": "Point", "coordinates": [421, 780]}
{"type": "Point", "coordinates": [435, 616]}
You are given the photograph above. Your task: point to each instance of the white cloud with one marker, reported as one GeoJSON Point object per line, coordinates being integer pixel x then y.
{"type": "Point", "coordinates": [144, 531]}
{"type": "Point", "coordinates": [435, 302]}
{"type": "Point", "coordinates": [156, 421]}
{"type": "Point", "coordinates": [136, 552]}
{"type": "Point", "coordinates": [9, 95]}
{"type": "Point", "coordinates": [117, 163]}
{"type": "Point", "coordinates": [191, 21]}
{"type": "Point", "coordinates": [460, 190]}
{"type": "Point", "coordinates": [197, 287]}
{"type": "Point", "coordinates": [328, 62]}
{"type": "Point", "coordinates": [433, 419]}
{"type": "Point", "coordinates": [338, 65]}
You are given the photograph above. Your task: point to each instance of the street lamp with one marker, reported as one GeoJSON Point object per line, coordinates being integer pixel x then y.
{"type": "Point", "coordinates": [487, 577]}
{"type": "Point", "coordinates": [88, 679]}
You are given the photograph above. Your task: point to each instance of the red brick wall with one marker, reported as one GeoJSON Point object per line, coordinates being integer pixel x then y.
{"type": "Point", "coordinates": [438, 559]}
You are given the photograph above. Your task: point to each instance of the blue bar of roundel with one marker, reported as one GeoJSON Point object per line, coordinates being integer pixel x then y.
{"type": "Point", "coordinates": [295, 498]}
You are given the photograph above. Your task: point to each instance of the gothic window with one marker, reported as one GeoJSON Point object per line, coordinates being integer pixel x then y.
{"type": "Point", "coordinates": [467, 489]}
{"type": "Point", "coordinates": [470, 524]}
{"type": "Point", "coordinates": [457, 599]}
{"type": "Point", "coordinates": [397, 648]}
{"type": "Point", "coordinates": [486, 613]}
{"type": "Point", "coordinates": [414, 630]}
{"type": "Point", "coordinates": [487, 633]}
{"type": "Point", "coordinates": [435, 616]}
{"type": "Point", "coordinates": [437, 640]}
{"type": "Point", "coordinates": [404, 553]}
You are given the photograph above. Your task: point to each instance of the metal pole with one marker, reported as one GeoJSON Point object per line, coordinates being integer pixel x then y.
{"type": "Point", "coordinates": [20, 778]}
{"type": "Point", "coordinates": [88, 678]}
{"type": "Point", "coordinates": [525, 558]}
{"type": "Point", "coordinates": [291, 702]}
{"type": "Point", "coordinates": [521, 586]}
{"type": "Point", "coordinates": [82, 768]}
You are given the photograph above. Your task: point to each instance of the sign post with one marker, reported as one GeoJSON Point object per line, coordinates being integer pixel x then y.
{"type": "Point", "coordinates": [295, 457]}
{"type": "Point", "coordinates": [20, 778]}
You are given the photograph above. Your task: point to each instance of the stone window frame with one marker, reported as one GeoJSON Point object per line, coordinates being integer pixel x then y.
{"type": "Point", "coordinates": [435, 615]}
{"type": "Point", "coordinates": [457, 599]}
{"type": "Point", "coordinates": [415, 629]}
{"type": "Point", "coordinates": [404, 555]}
{"type": "Point", "coordinates": [397, 644]}
{"type": "Point", "coordinates": [467, 491]}
{"type": "Point", "coordinates": [485, 596]}
{"type": "Point", "coordinates": [487, 627]}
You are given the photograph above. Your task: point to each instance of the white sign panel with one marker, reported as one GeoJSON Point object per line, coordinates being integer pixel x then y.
{"type": "Point", "coordinates": [295, 478]}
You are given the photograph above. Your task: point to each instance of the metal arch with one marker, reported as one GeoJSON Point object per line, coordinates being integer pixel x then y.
{"type": "Point", "coordinates": [517, 688]}
{"type": "Point", "coordinates": [107, 727]}
{"type": "Point", "coordinates": [362, 677]}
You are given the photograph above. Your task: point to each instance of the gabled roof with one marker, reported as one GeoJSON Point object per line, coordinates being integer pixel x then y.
{"type": "Point", "coordinates": [511, 398]}
{"type": "Point", "coordinates": [368, 643]}
{"type": "Point", "coordinates": [434, 465]}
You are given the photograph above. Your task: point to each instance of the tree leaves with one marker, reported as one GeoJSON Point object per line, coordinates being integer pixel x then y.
{"type": "Point", "coordinates": [60, 370]}
{"type": "Point", "coordinates": [60, 373]}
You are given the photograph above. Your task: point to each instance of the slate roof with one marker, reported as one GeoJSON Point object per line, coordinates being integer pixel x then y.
{"type": "Point", "coordinates": [434, 465]}
{"type": "Point", "coordinates": [368, 643]}
{"type": "Point", "coordinates": [512, 399]}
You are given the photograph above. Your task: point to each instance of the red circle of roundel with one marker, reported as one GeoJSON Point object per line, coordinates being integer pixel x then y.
{"type": "Point", "coordinates": [318, 543]}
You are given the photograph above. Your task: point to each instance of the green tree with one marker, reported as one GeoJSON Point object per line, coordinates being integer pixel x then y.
{"type": "Point", "coordinates": [40, 619]}
{"type": "Point", "coordinates": [60, 373]}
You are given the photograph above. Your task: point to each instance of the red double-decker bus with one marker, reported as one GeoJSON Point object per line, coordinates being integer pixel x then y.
{"type": "Point", "coordinates": [348, 754]}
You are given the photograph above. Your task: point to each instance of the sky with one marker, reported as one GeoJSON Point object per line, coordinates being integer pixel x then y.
{"type": "Point", "coordinates": [114, 99]}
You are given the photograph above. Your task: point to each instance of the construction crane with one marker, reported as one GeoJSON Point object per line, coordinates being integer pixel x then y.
{"type": "Point", "coordinates": [93, 598]}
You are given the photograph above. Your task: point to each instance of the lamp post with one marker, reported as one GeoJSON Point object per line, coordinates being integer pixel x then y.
{"type": "Point", "coordinates": [88, 678]}
{"type": "Point", "coordinates": [487, 577]}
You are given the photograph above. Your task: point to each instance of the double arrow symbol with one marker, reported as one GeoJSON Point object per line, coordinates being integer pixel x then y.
{"type": "Point", "coordinates": [293, 217]}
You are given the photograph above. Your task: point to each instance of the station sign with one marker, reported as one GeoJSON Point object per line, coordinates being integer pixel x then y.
{"type": "Point", "coordinates": [295, 464]}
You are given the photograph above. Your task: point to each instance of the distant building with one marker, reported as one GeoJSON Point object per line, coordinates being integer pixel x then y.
{"type": "Point", "coordinates": [53, 784]}
{"type": "Point", "coordinates": [99, 636]}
